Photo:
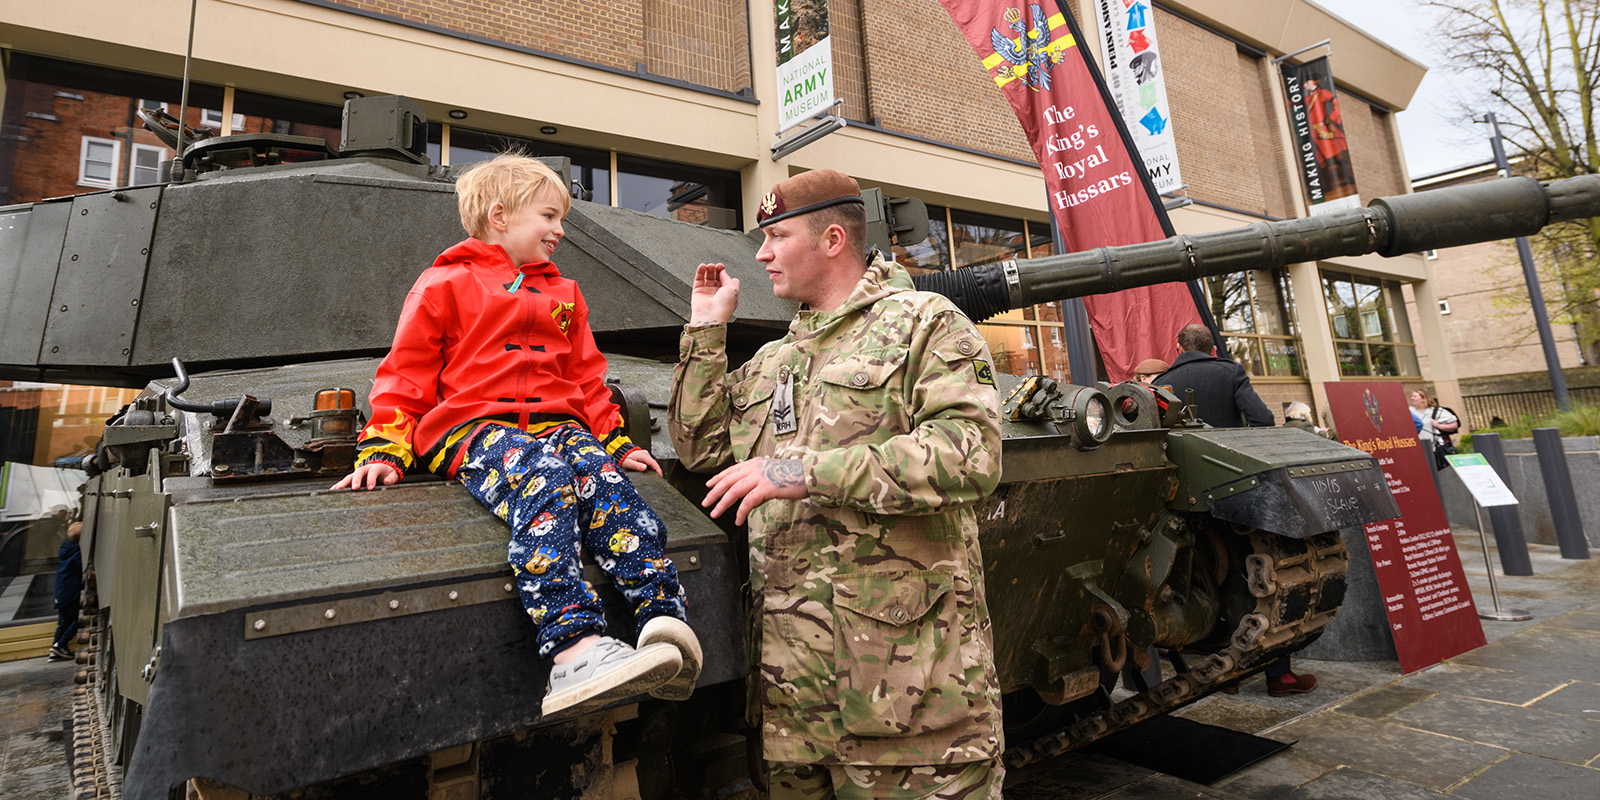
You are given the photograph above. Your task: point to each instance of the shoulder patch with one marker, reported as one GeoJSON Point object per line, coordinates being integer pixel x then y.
{"type": "Point", "coordinates": [983, 372]}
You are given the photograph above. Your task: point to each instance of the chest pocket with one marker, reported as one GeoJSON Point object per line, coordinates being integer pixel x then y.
{"type": "Point", "coordinates": [861, 372]}
{"type": "Point", "coordinates": [752, 405]}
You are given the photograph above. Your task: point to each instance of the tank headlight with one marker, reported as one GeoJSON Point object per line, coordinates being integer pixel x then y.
{"type": "Point", "coordinates": [1087, 416]}
{"type": "Point", "coordinates": [1096, 415]}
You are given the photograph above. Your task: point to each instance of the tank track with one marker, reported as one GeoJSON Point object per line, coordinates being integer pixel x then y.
{"type": "Point", "coordinates": [1297, 584]}
{"type": "Point", "coordinates": [95, 775]}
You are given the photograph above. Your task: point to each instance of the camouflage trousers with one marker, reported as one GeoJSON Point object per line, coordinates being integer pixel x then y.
{"type": "Point", "coordinates": [563, 495]}
{"type": "Point", "coordinates": [975, 780]}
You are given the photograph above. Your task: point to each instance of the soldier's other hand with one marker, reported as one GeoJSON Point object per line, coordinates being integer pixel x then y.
{"type": "Point", "coordinates": [369, 475]}
{"type": "Point", "coordinates": [640, 460]}
{"type": "Point", "coordinates": [714, 297]}
{"type": "Point", "coordinates": [751, 483]}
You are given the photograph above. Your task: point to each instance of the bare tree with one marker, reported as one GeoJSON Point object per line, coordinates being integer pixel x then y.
{"type": "Point", "coordinates": [1536, 64]}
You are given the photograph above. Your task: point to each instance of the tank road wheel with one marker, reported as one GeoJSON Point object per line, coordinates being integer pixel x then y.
{"type": "Point", "coordinates": [1277, 595]}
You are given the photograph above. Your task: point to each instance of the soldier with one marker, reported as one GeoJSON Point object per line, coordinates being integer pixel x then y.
{"type": "Point", "coordinates": [856, 447]}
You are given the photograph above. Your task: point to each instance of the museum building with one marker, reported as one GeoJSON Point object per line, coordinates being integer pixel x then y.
{"type": "Point", "coordinates": [669, 107]}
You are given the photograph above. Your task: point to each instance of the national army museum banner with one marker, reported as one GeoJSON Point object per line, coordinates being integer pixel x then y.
{"type": "Point", "coordinates": [1098, 193]}
{"type": "Point", "coordinates": [1425, 592]}
{"type": "Point", "coordinates": [1320, 147]}
{"type": "Point", "coordinates": [805, 61]}
{"type": "Point", "coordinates": [1134, 75]}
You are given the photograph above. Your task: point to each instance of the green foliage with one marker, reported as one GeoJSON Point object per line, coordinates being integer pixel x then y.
{"type": "Point", "coordinates": [1582, 420]}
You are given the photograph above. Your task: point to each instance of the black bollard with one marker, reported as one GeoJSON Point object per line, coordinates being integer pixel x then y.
{"type": "Point", "coordinates": [1508, 538]}
{"type": "Point", "coordinates": [1558, 488]}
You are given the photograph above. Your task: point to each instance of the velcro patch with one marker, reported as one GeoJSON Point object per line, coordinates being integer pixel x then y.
{"type": "Point", "coordinates": [984, 373]}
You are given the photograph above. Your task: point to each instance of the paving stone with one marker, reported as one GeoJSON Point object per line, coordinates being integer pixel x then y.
{"type": "Point", "coordinates": [1336, 680]}
{"type": "Point", "coordinates": [1524, 730]}
{"type": "Point", "coordinates": [1586, 620]}
{"type": "Point", "coordinates": [1224, 711]}
{"type": "Point", "coordinates": [1506, 686]}
{"type": "Point", "coordinates": [1384, 701]}
{"type": "Point", "coordinates": [1577, 699]}
{"type": "Point", "coordinates": [1157, 787]}
{"type": "Point", "coordinates": [1346, 782]}
{"type": "Point", "coordinates": [1530, 660]}
{"type": "Point", "coordinates": [1420, 757]}
{"type": "Point", "coordinates": [1522, 776]}
{"type": "Point", "coordinates": [1271, 777]}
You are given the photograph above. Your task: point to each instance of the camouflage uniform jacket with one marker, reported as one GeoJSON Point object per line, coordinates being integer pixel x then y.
{"type": "Point", "coordinates": [874, 634]}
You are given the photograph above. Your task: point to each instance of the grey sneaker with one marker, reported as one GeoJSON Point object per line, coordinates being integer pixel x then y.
{"type": "Point", "coordinates": [609, 670]}
{"type": "Point", "coordinates": [676, 632]}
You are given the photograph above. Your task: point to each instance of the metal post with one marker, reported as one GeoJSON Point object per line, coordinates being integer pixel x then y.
{"type": "Point", "coordinates": [1498, 615]}
{"type": "Point", "coordinates": [1558, 379]}
{"type": "Point", "coordinates": [183, 102]}
{"type": "Point", "coordinates": [1558, 490]}
{"type": "Point", "coordinates": [1507, 525]}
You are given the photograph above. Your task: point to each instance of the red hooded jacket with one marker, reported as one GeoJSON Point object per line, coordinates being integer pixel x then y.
{"type": "Point", "coordinates": [481, 340]}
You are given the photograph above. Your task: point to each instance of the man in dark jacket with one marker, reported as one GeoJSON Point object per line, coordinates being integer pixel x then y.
{"type": "Point", "coordinates": [69, 588]}
{"type": "Point", "coordinates": [1223, 394]}
{"type": "Point", "coordinates": [1221, 388]}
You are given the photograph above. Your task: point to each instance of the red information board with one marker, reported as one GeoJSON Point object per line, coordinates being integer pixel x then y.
{"type": "Point", "coordinates": [1419, 572]}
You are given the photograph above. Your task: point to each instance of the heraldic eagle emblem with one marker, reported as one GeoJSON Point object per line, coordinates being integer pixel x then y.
{"type": "Point", "coordinates": [1030, 55]}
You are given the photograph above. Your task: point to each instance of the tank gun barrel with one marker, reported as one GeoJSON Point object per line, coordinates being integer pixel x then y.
{"type": "Point", "coordinates": [1389, 226]}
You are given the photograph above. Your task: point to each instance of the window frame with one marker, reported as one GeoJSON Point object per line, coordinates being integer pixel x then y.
{"type": "Point", "coordinates": [133, 162]}
{"type": "Point", "coordinates": [83, 161]}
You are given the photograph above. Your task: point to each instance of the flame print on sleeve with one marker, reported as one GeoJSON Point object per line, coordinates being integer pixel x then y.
{"type": "Point", "coordinates": [563, 314]}
{"type": "Point", "coordinates": [392, 439]}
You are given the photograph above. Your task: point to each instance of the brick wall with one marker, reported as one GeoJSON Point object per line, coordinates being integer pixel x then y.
{"type": "Point", "coordinates": [924, 79]}
{"type": "Point", "coordinates": [44, 128]}
{"type": "Point", "coordinates": [1217, 112]}
{"type": "Point", "coordinates": [1272, 141]}
{"type": "Point", "coordinates": [609, 33]}
{"type": "Point", "coordinates": [1372, 149]}
{"type": "Point", "coordinates": [704, 42]}
{"type": "Point", "coordinates": [849, 59]}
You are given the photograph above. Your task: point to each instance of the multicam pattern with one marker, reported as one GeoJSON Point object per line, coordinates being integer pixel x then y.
{"type": "Point", "coordinates": [561, 495]}
{"type": "Point", "coordinates": [874, 637]}
{"type": "Point", "coordinates": [977, 780]}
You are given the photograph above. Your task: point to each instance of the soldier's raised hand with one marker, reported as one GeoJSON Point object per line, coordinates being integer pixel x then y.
{"type": "Point", "coordinates": [714, 297]}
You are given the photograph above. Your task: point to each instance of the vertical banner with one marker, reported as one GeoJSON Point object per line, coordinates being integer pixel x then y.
{"type": "Point", "coordinates": [805, 61]}
{"type": "Point", "coordinates": [1134, 74]}
{"type": "Point", "coordinates": [1319, 141]}
{"type": "Point", "coordinates": [1099, 194]}
{"type": "Point", "coordinates": [1425, 591]}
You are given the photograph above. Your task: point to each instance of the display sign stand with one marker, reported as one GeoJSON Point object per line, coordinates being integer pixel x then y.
{"type": "Point", "coordinates": [1487, 490]}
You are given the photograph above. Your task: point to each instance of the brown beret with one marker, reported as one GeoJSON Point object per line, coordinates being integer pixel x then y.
{"type": "Point", "coordinates": [805, 193]}
{"type": "Point", "coordinates": [1150, 366]}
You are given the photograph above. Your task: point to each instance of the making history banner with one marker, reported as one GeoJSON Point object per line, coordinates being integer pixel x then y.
{"type": "Point", "coordinates": [1134, 75]}
{"type": "Point", "coordinates": [1098, 192]}
{"type": "Point", "coordinates": [1320, 145]}
{"type": "Point", "coordinates": [1425, 591]}
{"type": "Point", "coordinates": [805, 61]}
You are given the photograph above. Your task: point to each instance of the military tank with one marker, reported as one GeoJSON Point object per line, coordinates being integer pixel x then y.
{"type": "Point", "coordinates": [250, 632]}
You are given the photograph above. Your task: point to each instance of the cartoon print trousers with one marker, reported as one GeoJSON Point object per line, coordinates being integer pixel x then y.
{"type": "Point", "coordinates": [563, 495]}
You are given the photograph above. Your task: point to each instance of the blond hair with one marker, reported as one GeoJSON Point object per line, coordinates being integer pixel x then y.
{"type": "Point", "coordinates": [511, 179]}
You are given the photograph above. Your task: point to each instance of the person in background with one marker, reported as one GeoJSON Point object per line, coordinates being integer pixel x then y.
{"type": "Point", "coordinates": [1435, 423]}
{"type": "Point", "coordinates": [1298, 415]}
{"type": "Point", "coordinates": [1221, 388]}
{"type": "Point", "coordinates": [69, 593]}
{"type": "Point", "coordinates": [1148, 369]}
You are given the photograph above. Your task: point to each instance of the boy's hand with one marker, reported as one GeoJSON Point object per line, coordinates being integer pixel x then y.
{"type": "Point", "coordinates": [640, 460]}
{"type": "Point", "coordinates": [715, 295]}
{"type": "Point", "coordinates": [751, 483]}
{"type": "Point", "coordinates": [368, 476]}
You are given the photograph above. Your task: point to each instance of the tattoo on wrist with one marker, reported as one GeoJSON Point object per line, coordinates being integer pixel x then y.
{"type": "Point", "coordinates": [784, 472]}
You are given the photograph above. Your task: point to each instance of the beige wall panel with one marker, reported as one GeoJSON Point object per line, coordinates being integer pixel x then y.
{"type": "Point", "coordinates": [935, 174]}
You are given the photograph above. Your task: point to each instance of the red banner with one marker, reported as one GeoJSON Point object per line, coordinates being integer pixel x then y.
{"type": "Point", "coordinates": [1425, 592]}
{"type": "Point", "coordinates": [1099, 193]}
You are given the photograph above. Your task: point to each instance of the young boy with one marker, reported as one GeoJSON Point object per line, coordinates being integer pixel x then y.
{"type": "Point", "coordinates": [494, 380]}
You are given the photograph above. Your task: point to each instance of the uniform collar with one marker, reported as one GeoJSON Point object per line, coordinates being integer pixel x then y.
{"type": "Point", "coordinates": [881, 279]}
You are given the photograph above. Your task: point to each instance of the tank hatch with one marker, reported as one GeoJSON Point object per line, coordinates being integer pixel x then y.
{"type": "Point", "coordinates": [1282, 480]}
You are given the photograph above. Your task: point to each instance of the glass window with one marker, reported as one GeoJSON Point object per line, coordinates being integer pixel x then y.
{"type": "Point", "coordinates": [97, 161]}
{"type": "Point", "coordinates": [1255, 310]}
{"type": "Point", "coordinates": [591, 169]}
{"type": "Point", "coordinates": [980, 239]}
{"type": "Point", "coordinates": [678, 191]}
{"type": "Point", "coordinates": [931, 254]}
{"type": "Point", "coordinates": [1370, 330]}
{"type": "Point", "coordinates": [146, 165]}
{"type": "Point", "coordinates": [265, 113]}
{"type": "Point", "coordinates": [212, 118]}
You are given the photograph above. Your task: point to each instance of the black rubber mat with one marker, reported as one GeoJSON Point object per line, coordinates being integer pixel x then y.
{"type": "Point", "coordinates": [1182, 748]}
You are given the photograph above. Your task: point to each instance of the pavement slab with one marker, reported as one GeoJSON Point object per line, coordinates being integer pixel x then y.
{"type": "Point", "coordinates": [1577, 699]}
{"type": "Point", "coordinates": [1505, 686]}
{"type": "Point", "coordinates": [1559, 665]}
{"type": "Point", "coordinates": [1156, 787]}
{"type": "Point", "coordinates": [1524, 730]}
{"type": "Point", "coordinates": [1520, 776]}
{"type": "Point", "coordinates": [1586, 620]}
{"type": "Point", "coordinates": [1225, 711]}
{"type": "Point", "coordinates": [1270, 778]}
{"type": "Point", "coordinates": [1384, 700]}
{"type": "Point", "coordinates": [1420, 757]}
{"type": "Point", "coordinates": [1346, 782]}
